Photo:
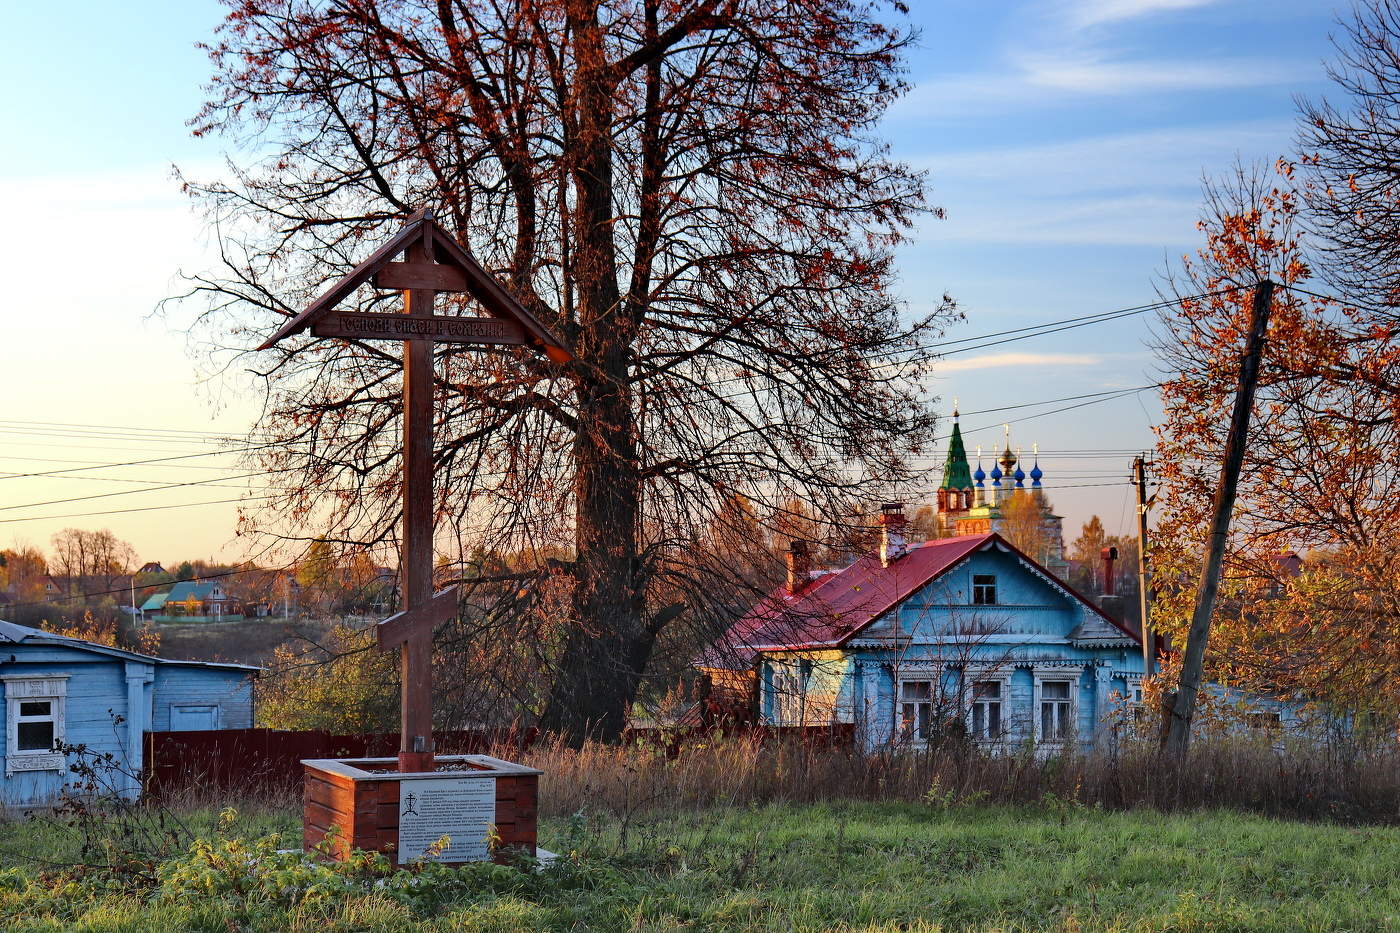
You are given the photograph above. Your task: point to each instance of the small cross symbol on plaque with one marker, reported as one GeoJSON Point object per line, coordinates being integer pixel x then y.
{"type": "Point", "coordinates": [435, 262]}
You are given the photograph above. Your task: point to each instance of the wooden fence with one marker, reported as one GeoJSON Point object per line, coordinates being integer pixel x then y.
{"type": "Point", "coordinates": [243, 759]}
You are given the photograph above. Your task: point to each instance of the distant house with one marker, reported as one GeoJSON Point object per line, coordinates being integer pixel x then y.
{"type": "Point", "coordinates": [62, 691]}
{"type": "Point", "coordinates": [193, 601]}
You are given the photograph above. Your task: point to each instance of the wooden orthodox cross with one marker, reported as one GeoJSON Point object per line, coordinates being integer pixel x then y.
{"type": "Point", "coordinates": [435, 263]}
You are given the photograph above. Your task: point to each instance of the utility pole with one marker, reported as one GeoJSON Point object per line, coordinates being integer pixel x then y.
{"type": "Point", "coordinates": [1144, 596]}
{"type": "Point", "coordinates": [1182, 705]}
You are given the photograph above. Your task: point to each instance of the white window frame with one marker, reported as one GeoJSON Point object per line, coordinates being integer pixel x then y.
{"type": "Point", "coordinates": [1070, 675]}
{"type": "Point", "coordinates": [972, 589]}
{"type": "Point", "coordinates": [910, 735]}
{"type": "Point", "coordinates": [973, 702]}
{"type": "Point", "coordinates": [19, 689]}
{"type": "Point", "coordinates": [1133, 698]}
{"type": "Point", "coordinates": [1002, 677]}
{"type": "Point", "coordinates": [789, 694]}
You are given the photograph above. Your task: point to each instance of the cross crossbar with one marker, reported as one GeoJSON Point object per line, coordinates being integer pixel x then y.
{"type": "Point", "coordinates": [420, 620]}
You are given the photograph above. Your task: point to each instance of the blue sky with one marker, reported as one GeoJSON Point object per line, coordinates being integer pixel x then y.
{"type": "Point", "coordinates": [1066, 140]}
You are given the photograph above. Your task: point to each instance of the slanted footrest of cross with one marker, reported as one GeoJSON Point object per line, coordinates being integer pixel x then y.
{"type": "Point", "coordinates": [420, 620]}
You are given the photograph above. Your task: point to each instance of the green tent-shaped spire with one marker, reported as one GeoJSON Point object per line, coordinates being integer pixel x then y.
{"type": "Point", "coordinates": [956, 472]}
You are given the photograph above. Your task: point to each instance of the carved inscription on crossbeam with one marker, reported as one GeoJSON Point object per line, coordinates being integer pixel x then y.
{"type": "Point", "coordinates": [368, 326]}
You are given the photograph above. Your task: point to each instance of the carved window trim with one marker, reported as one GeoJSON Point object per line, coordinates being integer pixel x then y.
{"type": "Point", "coordinates": [22, 688]}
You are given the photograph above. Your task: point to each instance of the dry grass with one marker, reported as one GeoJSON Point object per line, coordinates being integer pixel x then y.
{"type": "Point", "coordinates": [250, 641]}
{"type": "Point", "coordinates": [1342, 783]}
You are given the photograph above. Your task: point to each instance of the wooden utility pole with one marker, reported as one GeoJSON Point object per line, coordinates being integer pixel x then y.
{"type": "Point", "coordinates": [1144, 597]}
{"type": "Point", "coordinates": [1182, 705]}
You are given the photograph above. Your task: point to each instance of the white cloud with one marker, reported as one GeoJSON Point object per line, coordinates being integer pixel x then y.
{"type": "Point", "coordinates": [1002, 360]}
{"type": "Point", "coordinates": [1138, 188]}
{"type": "Point", "coordinates": [1167, 157]}
{"type": "Point", "coordinates": [1059, 60]}
{"type": "Point", "coordinates": [1093, 74]}
{"type": "Point", "coordinates": [1084, 13]}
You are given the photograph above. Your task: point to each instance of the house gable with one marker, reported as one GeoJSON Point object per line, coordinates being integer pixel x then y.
{"type": "Point", "coordinates": [1016, 601]}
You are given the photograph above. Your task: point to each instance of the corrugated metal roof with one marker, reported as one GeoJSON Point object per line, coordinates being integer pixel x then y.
{"type": "Point", "coordinates": [156, 601]}
{"type": "Point", "coordinates": [187, 590]}
{"type": "Point", "coordinates": [832, 609]}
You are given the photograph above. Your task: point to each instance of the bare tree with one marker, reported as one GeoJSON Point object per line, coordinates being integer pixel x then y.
{"type": "Point", "coordinates": [1348, 147]}
{"type": "Point", "coordinates": [690, 193]}
{"type": "Point", "coordinates": [95, 559]}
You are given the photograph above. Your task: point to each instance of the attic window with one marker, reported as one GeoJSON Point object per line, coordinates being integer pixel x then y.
{"type": "Point", "coordinates": [984, 589]}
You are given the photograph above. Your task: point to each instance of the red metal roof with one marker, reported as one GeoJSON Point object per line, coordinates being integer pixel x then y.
{"type": "Point", "coordinates": [835, 607]}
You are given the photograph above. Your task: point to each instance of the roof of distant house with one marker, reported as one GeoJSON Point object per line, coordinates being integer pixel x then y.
{"type": "Point", "coordinates": [187, 590]}
{"type": "Point", "coordinates": [156, 601]}
{"type": "Point", "coordinates": [834, 607]}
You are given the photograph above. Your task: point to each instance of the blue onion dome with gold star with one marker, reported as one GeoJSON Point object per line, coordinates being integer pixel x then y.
{"type": "Point", "coordinates": [1036, 473]}
{"type": "Point", "coordinates": [1020, 476]}
{"type": "Point", "coordinates": [996, 474]}
{"type": "Point", "coordinates": [980, 475]}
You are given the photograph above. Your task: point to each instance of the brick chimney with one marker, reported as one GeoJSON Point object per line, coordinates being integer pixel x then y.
{"type": "Point", "coordinates": [892, 542]}
{"type": "Point", "coordinates": [1109, 601]}
{"type": "Point", "coordinates": [799, 565]}
{"type": "Point", "coordinates": [1109, 556]}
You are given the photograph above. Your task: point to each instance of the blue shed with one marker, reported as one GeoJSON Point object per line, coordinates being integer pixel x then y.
{"type": "Point", "coordinates": [66, 691]}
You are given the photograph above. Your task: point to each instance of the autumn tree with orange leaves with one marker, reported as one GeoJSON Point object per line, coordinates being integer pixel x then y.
{"type": "Point", "coordinates": [690, 192]}
{"type": "Point", "coordinates": [1322, 458]}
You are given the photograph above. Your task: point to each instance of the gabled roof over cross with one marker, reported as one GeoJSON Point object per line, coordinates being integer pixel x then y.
{"type": "Point", "coordinates": [459, 272]}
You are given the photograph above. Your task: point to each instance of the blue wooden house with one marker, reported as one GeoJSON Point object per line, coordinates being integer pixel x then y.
{"type": "Point", "coordinates": [967, 632]}
{"type": "Point", "coordinates": [62, 691]}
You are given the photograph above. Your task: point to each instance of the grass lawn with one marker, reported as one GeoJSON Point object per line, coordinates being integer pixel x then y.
{"type": "Point", "coordinates": [857, 866]}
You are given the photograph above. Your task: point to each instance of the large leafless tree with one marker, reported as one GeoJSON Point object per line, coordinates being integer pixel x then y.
{"type": "Point", "coordinates": [691, 192]}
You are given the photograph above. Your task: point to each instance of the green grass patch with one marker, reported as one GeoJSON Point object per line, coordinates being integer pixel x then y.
{"type": "Point", "coordinates": [837, 866]}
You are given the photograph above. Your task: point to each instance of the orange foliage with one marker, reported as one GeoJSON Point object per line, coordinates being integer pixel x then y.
{"type": "Point", "coordinates": [1322, 455]}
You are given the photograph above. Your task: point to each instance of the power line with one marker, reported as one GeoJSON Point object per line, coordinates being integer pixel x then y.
{"type": "Point", "coordinates": [212, 453]}
{"type": "Point", "coordinates": [100, 463]}
{"type": "Point", "coordinates": [114, 427]}
{"type": "Point", "coordinates": [1012, 335]}
{"type": "Point", "coordinates": [1067, 398]}
{"type": "Point", "coordinates": [149, 508]}
{"type": "Point", "coordinates": [129, 492]}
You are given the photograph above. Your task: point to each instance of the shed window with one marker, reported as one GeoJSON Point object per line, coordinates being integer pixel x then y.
{"type": "Point", "coordinates": [1056, 721]}
{"type": "Point", "coordinates": [986, 723]}
{"type": "Point", "coordinates": [193, 718]}
{"type": "Point", "coordinates": [34, 726]}
{"type": "Point", "coordinates": [34, 709]}
{"type": "Point", "coordinates": [984, 589]}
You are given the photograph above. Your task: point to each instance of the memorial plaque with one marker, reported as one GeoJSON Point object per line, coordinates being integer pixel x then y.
{"type": "Point", "coordinates": [460, 808]}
